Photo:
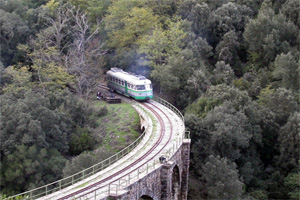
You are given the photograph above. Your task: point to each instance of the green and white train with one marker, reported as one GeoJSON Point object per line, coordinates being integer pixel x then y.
{"type": "Point", "coordinates": [129, 84]}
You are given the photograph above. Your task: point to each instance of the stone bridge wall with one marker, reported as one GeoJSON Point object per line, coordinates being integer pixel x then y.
{"type": "Point", "coordinates": [168, 182]}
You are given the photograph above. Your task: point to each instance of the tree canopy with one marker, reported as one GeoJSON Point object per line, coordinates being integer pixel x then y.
{"type": "Point", "coordinates": [231, 66]}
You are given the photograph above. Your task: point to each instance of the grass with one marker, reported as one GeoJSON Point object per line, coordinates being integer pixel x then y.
{"type": "Point", "coordinates": [119, 127]}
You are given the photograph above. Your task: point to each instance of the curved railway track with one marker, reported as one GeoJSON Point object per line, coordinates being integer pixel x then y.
{"type": "Point", "coordinates": [89, 190]}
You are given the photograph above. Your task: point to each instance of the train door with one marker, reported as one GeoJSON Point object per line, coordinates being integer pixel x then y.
{"type": "Point", "coordinates": [126, 88]}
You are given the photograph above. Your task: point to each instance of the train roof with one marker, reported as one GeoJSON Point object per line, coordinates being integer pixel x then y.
{"type": "Point", "coordinates": [128, 76]}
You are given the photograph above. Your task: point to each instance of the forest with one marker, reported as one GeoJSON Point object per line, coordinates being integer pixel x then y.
{"type": "Point", "coordinates": [231, 66]}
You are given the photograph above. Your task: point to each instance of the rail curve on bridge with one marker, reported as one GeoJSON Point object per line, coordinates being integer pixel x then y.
{"type": "Point", "coordinates": [139, 162]}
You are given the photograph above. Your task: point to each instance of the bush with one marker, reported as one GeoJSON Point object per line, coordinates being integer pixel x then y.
{"type": "Point", "coordinates": [81, 140]}
{"type": "Point", "coordinates": [103, 111]}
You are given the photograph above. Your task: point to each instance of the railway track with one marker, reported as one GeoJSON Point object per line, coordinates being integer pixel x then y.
{"type": "Point", "coordinates": [134, 165]}
{"type": "Point", "coordinates": [156, 148]}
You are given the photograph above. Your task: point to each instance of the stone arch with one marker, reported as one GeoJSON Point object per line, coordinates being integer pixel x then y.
{"type": "Point", "coordinates": [175, 183]}
{"type": "Point", "coordinates": [145, 197]}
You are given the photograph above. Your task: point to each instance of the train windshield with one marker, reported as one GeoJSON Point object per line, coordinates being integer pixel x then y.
{"type": "Point", "coordinates": [140, 87]}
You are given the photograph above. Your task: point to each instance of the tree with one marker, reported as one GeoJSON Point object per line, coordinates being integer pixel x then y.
{"type": "Point", "coordinates": [30, 121]}
{"type": "Point", "coordinates": [35, 132]}
{"type": "Point", "coordinates": [291, 9]}
{"type": "Point", "coordinates": [20, 79]}
{"type": "Point", "coordinates": [269, 35]}
{"type": "Point", "coordinates": [275, 107]}
{"type": "Point", "coordinates": [197, 83]}
{"type": "Point", "coordinates": [155, 47]}
{"type": "Point", "coordinates": [280, 101]}
{"type": "Point", "coordinates": [119, 10]}
{"type": "Point", "coordinates": [81, 141]}
{"type": "Point", "coordinates": [13, 31]}
{"type": "Point", "coordinates": [94, 9]}
{"type": "Point", "coordinates": [253, 4]}
{"type": "Point", "coordinates": [46, 71]}
{"type": "Point", "coordinates": [19, 20]}
{"type": "Point", "coordinates": [221, 179]}
{"type": "Point", "coordinates": [164, 8]}
{"type": "Point", "coordinates": [162, 43]}
{"type": "Point", "coordinates": [289, 140]}
{"type": "Point", "coordinates": [292, 182]}
{"type": "Point", "coordinates": [223, 73]}
{"type": "Point", "coordinates": [126, 21]}
{"type": "Point", "coordinates": [30, 167]}
{"type": "Point", "coordinates": [85, 58]}
{"type": "Point", "coordinates": [228, 17]}
{"type": "Point", "coordinates": [229, 131]}
{"type": "Point", "coordinates": [78, 48]}
{"type": "Point", "coordinates": [223, 131]}
{"type": "Point", "coordinates": [198, 14]}
{"type": "Point", "coordinates": [58, 19]}
{"type": "Point", "coordinates": [286, 70]}
{"type": "Point", "coordinates": [138, 22]}
{"type": "Point", "coordinates": [202, 51]}
{"type": "Point", "coordinates": [227, 50]}
{"type": "Point", "coordinates": [224, 93]}
{"type": "Point", "coordinates": [214, 128]}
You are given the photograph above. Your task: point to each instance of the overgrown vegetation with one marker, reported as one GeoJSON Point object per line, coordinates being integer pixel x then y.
{"type": "Point", "coordinates": [231, 66]}
{"type": "Point", "coordinates": [120, 126]}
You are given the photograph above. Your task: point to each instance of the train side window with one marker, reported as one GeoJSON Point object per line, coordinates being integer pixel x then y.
{"type": "Point", "coordinates": [122, 82]}
{"type": "Point", "coordinates": [140, 87]}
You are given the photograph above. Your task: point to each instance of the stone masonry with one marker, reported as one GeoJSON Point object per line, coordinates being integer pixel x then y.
{"type": "Point", "coordinates": [168, 182]}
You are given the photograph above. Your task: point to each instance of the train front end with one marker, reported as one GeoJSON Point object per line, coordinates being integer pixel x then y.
{"type": "Point", "coordinates": [144, 90]}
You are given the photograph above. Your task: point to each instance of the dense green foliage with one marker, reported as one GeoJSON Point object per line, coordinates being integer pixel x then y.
{"type": "Point", "coordinates": [231, 66]}
{"type": "Point", "coordinates": [36, 131]}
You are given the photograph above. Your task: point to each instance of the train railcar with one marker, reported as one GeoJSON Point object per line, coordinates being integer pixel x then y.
{"type": "Point", "coordinates": [129, 84]}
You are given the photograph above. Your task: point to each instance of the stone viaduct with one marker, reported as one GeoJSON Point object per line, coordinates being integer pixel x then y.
{"type": "Point", "coordinates": [168, 182]}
